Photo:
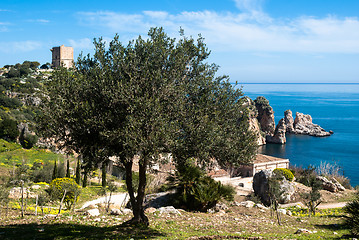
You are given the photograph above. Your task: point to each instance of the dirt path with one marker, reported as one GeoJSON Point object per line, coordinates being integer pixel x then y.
{"type": "Point", "coordinates": [332, 205]}
{"type": "Point", "coordinates": [321, 206]}
{"type": "Point", "coordinates": [116, 200]}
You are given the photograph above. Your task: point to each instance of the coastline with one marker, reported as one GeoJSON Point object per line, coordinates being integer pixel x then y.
{"type": "Point", "coordinates": [333, 108]}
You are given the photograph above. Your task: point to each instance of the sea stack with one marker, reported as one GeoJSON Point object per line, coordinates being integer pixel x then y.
{"type": "Point", "coordinates": [265, 115]}
{"type": "Point", "coordinates": [303, 124]}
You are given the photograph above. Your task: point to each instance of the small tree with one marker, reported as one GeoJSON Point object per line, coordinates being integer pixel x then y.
{"type": "Point", "coordinates": [64, 189]}
{"type": "Point", "coordinates": [4, 197]}
{"type": "Point", "coordinates": [42, 199]}
{"type": "Point", "coordinates": [275, 193]}
{"type": "Point", "coordinates": [312, 199]}
{"type": "Point", "coordinates": [107, 191]}
{"type": "Point", "coordinates": [19, 179]}
{"type": "Point", "coordinates": [352, 208]}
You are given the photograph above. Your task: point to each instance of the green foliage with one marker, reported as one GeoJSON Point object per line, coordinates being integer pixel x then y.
{"type": "Point", "coordinates": [6, 146]}
{"type": "Point", "coordinates": [41, 172]}
{"type": "Point", "coordinates": [9, 130]}
{"type": "Point", "coordinates": [284, 172]}
{"type": "Point", "coordinates": [304, 175]}
{"type": "Point", "coordinates": [197, 191]}
{"type": "Point", "coordinates": [26, 139]}
{"type": "Point", "coordinates": [313, 198]}
{"type": "Point", "coordinates": [147, 97]}
{"type": "Point", "coordinates": [10, 103]}
{"type": "Point", "coordinates": [64, 186]}
{"type": "Point", "coordinates": [352, 209]}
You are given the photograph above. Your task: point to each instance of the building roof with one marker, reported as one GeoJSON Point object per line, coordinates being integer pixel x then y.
{"type": "Point", "coordinates": [261, 158]}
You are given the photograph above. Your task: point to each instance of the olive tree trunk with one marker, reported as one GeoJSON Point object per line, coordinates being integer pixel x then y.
{"type": "Point", "coordinates": [139, 216]}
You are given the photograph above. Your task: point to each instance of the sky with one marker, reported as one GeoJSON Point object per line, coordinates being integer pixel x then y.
{"type": "Point", "coordinates": [251, 40]}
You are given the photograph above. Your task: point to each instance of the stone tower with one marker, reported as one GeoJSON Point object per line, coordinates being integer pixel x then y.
{"type": "Point", "coordinates": [62, 56]}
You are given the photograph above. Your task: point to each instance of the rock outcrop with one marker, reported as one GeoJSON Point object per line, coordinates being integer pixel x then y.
{"type": "Point", "coordinates": [253, 123]}
{"type": "Point", "coordinates": [279, 133]}
{"type": "Point", "coordinates": [330, 185]}
{"type": "Point", "coordinates": [289, 121]}
{"type": "Point", "coordinates": [303, 125]}
{"type": "Point", "coordinates": [261, 187]}
{"type": "Point", "coordinates": [265, 115]}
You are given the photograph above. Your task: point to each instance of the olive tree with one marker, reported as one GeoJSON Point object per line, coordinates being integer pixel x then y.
{"type": "Point", "coordinates": [148, 97]}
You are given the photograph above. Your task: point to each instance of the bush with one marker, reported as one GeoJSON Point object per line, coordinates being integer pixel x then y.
{"type": "Point", "coordinates": [303, 175]}
{"type": "Point", "coordinates": [285, 173]}
{"type": "Point", "coordinates": [26, 139]}
{"type": "Point", "coordinates": [8, 130]}
{"type": "Point", "coordinates": [64, 186]}
{"type": "Point", "coordinates": [352, 220]}
{"type": "Point", "coordinates": [197, 191]}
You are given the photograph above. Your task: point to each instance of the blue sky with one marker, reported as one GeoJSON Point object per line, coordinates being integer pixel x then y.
{"type": "Point", "coordinates": [251, 40]}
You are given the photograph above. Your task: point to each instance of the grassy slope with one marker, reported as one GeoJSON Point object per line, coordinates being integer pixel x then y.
{"type": "Point", "coordinates": [12, 154]}
{"type": "Point", "coordinates": [235, 223]}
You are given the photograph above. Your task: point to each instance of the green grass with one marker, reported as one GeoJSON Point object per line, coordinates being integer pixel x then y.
{"type": "Point", "coordinates": [12, 154]}
{"type": "Point", "coordinates": [238, 222]}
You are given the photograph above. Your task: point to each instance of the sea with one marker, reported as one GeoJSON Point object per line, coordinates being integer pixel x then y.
{"type": "Point", "coordinates": [332, 106]}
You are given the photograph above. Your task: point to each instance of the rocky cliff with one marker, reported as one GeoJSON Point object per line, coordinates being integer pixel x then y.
{"type": "Point", "coordinates": [303, 124]}
{"type": "Point", "coordinates": [253, 121]}
{"type": "Point", "coordinates": [279, 133]}
{"type": "Point", "coordinates": [265, 115]}
{"type": "Point", "coordinates": [261, 121]}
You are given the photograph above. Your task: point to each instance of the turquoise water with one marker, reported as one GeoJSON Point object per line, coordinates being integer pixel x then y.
{"type": "Point", "coordinates": [332, 106]}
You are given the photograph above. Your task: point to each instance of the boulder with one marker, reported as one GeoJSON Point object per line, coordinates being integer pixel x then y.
{"type": "Point", "coordinates": [169, 210]}
{"type": "Point", "coordinates": [288, 190]}
{"type": "Point", "coordinates": [150, 210]}
{"type": "Point", "coordinates": [260, 206]}
{"type": "Point", "coordinates": [115, 211]}
{"type": "Point", "coordinates": [302, 230]}
{"type": "Point", "coordinates": [282, 211]}
{"type": "Point", "coordinates": [339, 186]}
{"type": "Point", "coordinates": [330, 185]}
{"type": "Point", "coordinates": [126, 211]}
{"type": "Point", "coordinates": [261, 187]}
{"type": "Point", "coordinates": [158, 200]}
{"type": "Point", "coordinates": [247, 204]}
{"type": "Point", "coordinates": [303, 125]}
{"type": "Point", "coordinates": [279, 133]}
{"type": "Point", "coordinates": [93, 212]}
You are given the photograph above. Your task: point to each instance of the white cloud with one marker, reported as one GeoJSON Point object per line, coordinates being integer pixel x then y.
{"type": "Point", "coordinates": [84, 43]}
{"type": "Point", "coordinates": [20, 46]}
{"type": "Point", "coordinates": [251, 30]}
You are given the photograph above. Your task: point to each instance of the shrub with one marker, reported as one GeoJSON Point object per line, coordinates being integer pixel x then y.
{"type": "Point", "coordinates": [26, 139]}
{"type": "Point", "coordinates": [285, 173]}
{"type": "Point", "coordinates": [8, 130]}
{"type": "Point", "coordinates": [197, 191]}
{"type": "Point", "coordinates": [67, 187]}
{"type": "Point", "coordinates": [352, 220]}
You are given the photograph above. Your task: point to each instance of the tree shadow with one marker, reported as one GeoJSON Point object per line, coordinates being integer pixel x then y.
{"type": "Point", "coordinates": [336, 227]}
{"type": "Point", "coordinates": [76, 231]}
